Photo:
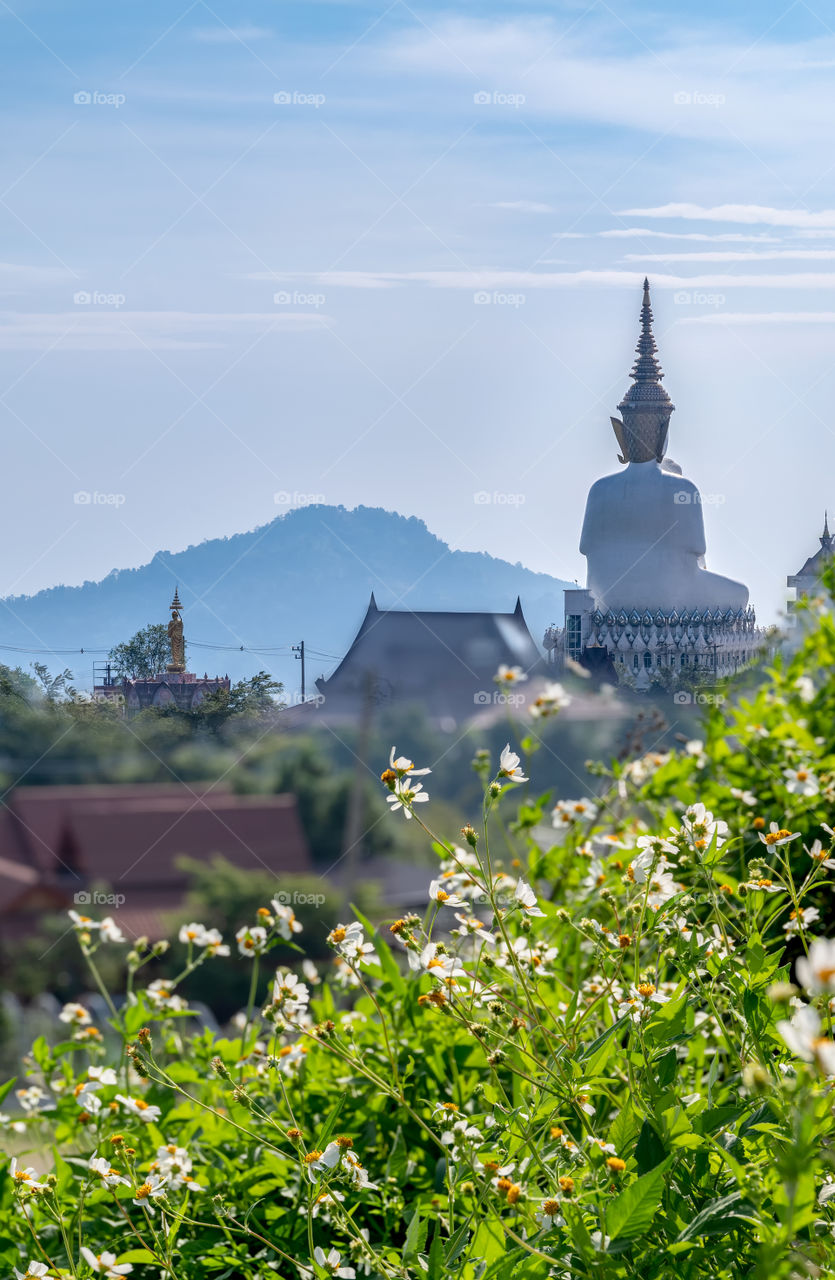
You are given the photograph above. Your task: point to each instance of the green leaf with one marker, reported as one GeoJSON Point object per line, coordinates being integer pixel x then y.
{"type": "Point", "coordinates": [714, 1218]}
{"type": "Point", "coordinates": [631, 1213]}
{"type": "Point", "coordinates": [415, 1237]}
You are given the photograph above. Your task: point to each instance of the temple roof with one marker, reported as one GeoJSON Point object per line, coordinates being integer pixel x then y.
{"type": "Point", "coordinates": [441, 659]}
{"type": "Point", "coordinates": [646, 371]}
{"type": "Point", "coordinates": [814, 566]}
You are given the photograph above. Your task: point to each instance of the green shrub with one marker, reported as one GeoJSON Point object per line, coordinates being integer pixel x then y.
{"type": "Point", "coordinates": [605, 1050]}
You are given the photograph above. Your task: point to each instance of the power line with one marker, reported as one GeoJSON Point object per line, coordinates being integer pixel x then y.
{"type": "Point", "coordinates": [276, 651]}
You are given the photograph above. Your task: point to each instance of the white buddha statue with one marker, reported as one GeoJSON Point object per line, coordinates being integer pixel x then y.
{"type": "Point", "coordinates": [643, 533]}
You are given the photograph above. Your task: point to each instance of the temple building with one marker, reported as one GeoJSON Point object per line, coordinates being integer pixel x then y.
{"type": "Point", "coordinates": [174, 686]}
{"type": "Point", "coordinates": [444, 662]}
{"type": "Point", "coordinates": [808, 581]}
{"type": "Point", "coordinates": [651, 610]}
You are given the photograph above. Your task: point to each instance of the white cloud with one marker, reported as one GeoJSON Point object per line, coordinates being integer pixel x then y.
{"type": "Point", "coordinates": [230, 35]}
{"type": "Point", "coordinates": [97, 329]}
{"type": "Point", "coordinates": [505, 280]}
{"type": "Point", "coordinates": [721, 255]}
{"type": "Point", "coordinates": [763, 317]}
{"type": "Point", "coordinates": [522, 206]}
{"type": "Point", "coordinates": [748, 213]}
{"type": "Point", "coordinates": [650, 233]}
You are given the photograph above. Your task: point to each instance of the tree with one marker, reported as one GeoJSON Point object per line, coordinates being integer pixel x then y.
{"type": "Point", "coordinates": [144, 654]}
{"type": "Point", "coordinates": [252, 699]}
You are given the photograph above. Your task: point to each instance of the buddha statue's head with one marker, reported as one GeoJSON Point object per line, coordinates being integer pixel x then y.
{"type": "Point", "coordinates": [645, 410]}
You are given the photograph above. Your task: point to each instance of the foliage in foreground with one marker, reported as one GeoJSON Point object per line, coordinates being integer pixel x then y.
{"type": "Point", "coordinates": [586, 1060]}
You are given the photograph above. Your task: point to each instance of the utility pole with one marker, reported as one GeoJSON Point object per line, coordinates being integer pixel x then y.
{"type": "Point", "coordinates": [298, 650]}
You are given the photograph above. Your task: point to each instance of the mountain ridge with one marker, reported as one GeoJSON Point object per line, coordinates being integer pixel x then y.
{"type": "Point", "coordinates": [308, 573]}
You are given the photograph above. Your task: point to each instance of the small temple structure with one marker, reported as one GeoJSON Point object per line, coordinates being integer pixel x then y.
{"type": "Point", "coordinates": [174, 686]}
{"type": "Point", "coordinates": [444, 662]}
{"type": "Point", "coordinates": [650, 609]}
{"type": "Point", "coordinates": [808, 581]}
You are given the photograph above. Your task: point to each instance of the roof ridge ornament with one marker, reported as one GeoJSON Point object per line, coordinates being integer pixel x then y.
{"type": "Point", "coordinates": [646, 407]}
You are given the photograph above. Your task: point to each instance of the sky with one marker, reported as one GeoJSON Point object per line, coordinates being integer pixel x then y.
{"type": "Point", "coordinates": [254, 256]}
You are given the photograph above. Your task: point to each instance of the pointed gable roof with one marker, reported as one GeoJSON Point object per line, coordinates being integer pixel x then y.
{"type": "Point", "coordinates": [436, 658]}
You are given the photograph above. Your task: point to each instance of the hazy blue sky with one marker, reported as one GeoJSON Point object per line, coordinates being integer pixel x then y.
{"type": "Point", "coordinates": [283, 296]}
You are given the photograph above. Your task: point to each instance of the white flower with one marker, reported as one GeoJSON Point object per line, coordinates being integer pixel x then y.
{"type": "Point", "coordinates": [252, 941]}
{"type": "Point", "coordinates": [197, 935]}
{"type": "Point", "coordinates": [285, 920]}
{"type": "Point", "coordinates": [805, 686]}
{"type": "Point", "coordinates": [150, 1189]}
{"type": "Point", "coordinates": [104, 1075]}
{"type": "Point", "coordinates": [75, 1013]}
{"type": "Point", "coordinates": [801, 781]}
{"type": "Point", "coordinates": [32, 1098]}
{"type": "Point", "coordinates": [162, 997]}
{"type": "Point", "coordinates": [175, 1163]}
{"type": "Point", "coordinates": [349, 941]}
{"type": "Point", "coordinates": [471, 927]}
{"type": "Point", "coordinates": [549, 1214]}
{"type": "Point", "coordinates": [330, 1262]}
{"type": "Point", "coordinates": [438, 965]}
{"type": "Point", "coordinates": [802, 1035]}
{"type": "Point", "coordinates": [816, 972]}
{"type": "Point", "coordinates": [110, 1177]}
{"type": "Point", "coordinates": [290, 994]}
{"type": "Point", "coordinates": [699, 828]}
{"type": "Point", "coordinates": [510, 766]}
{"type": "Point", "coordinates": [403, 767]}
{"type": "Point", "coordinates": [650, 858]}
{"type": "Point", "coordinates": [23, 1177]}
{"type": "Point", "coordinates": [802, 917]}
{"type": "Point", "coordinates": [551, 700]}
{"type": "Point", "coordinates": [85, 1095]}
{"type": "Point", "coordinates": [821, 856]}
{"type": "Point", "coordinates": [34, 1270]}
{"type": "Point", "coordinates": [110, 931]}
{"type": "Point", "coordinates": [509, 675]}
{"type": "Point", "coordinates": [358, 1173]}
{"type": "Point", "coordinates": [405, 794]}
{"type": "Point", "coordinates": [744, 797]}
{"type": "Point", "coordinates": [777, 836]}
{"type": "Point", "coordinates": [83, 922]}
{"type": "Point", "coordinates": [639, 999]}
{"type": "Point", "coordinates": [438, 894]}
{"type": "Point", "coordinates": [525, 896]}
{"type": "Point", "coordinates": [140, 1108]}
{"type": "Point", "coordinates": [569, 812]}
{"type": "Point", "coordinates": [763, 885]}
{"type": "Point", "coordinates": [105, 1264]}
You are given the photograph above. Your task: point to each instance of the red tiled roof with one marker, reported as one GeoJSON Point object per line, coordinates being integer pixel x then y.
{"type": "Point", "coordinates": [132, 836]}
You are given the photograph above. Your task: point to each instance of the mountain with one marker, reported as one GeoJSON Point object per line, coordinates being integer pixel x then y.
{"type": "Point", "coordinates": [305, 575]}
